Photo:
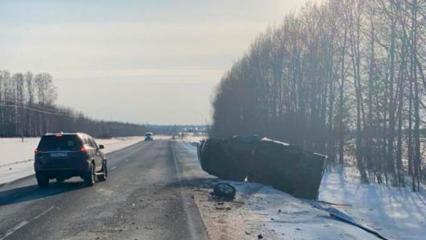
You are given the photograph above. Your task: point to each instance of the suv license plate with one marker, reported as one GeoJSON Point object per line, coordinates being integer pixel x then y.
{"type": "Point", "coordinates": [60, 154]}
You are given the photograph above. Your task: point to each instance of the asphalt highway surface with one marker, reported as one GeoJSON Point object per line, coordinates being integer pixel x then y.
{"type": "Point", "coordinates": [140, 200]}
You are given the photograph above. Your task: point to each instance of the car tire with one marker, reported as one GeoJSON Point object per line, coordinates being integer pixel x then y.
{"type": "Point", "coordinates": [42, 180]}
{"type": "Point", "coordinates": [104, 174]}
{"type": "Point", "coordinates": [60, 180]}
{"type": "Point", "coordinates": [89, 177]}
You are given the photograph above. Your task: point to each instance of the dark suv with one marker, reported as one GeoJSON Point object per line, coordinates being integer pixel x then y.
{"type": "Point", "coordinates": [64, 155]}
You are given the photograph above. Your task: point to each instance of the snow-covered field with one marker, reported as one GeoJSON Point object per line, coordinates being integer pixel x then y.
{"type": "Point", "coordinates": [394, 213]}
{"type": "Point", "coordinates": [16, 157]}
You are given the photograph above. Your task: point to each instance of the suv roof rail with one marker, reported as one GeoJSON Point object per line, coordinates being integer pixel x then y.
{"type": "Point", "coordinates": [61, 133]}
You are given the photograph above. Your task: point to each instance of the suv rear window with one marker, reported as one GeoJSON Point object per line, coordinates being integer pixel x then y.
{"type": "Point", "coordinates": [60, 143]}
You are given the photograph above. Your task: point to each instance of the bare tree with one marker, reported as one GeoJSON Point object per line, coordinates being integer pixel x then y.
{"type": "Point", "coordinates": [344, 78]}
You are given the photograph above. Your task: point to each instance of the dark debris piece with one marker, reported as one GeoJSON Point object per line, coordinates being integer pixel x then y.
{"type": "Point", "coordinates": [224, 191]}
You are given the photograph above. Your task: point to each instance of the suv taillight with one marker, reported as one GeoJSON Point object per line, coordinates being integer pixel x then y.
{"type": "Point", "coordinates": [83, 150]}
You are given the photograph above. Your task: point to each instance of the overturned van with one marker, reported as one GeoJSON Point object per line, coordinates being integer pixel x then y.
{"type": "Point", "coordinates": [278, 164]}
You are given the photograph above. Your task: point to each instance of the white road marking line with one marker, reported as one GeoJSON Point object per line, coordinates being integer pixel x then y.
{"type": "Point", "coordinates": [24, 223]}
{"type": "Point", "coordinates": [113, 168]}
{"type": "Point", "coordinates": [14, 229]}
{"type": "Point", "coordinates": [43, 213]}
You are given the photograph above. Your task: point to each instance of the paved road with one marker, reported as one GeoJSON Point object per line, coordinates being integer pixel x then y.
{"type": "Point", "coordinates": [140, 200]}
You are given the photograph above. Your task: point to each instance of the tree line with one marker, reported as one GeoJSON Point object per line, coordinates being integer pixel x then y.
{"type": "Point", "coordinates": [28, 109]}
{"type": "Point", "coordinates": [344, 78]}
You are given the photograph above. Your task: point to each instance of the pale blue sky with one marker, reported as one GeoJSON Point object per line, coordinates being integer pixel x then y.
{"type": "Point", "coordinates": [155, 61]}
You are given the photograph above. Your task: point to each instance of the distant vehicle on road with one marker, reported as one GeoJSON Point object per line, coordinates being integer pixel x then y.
{"type": "Point", "coordinates": [149, 136]}
{"type": "Point", "coordinates": [61, 156]}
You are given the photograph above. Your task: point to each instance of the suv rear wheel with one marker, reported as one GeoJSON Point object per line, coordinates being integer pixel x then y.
{"type": "Point", "coordinates": [89, 177]}
{"type": "Point", "coordinates": [42, 180]}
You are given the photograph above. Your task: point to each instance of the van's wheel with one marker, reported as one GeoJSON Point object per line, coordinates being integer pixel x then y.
{"type": "Point", "coordinates": [90, 177]}
{"type": "Point", "coordinates": [104, 174]}
{"type": "Point", "coordinates": [42, 180]}
{"type": "Point", "coordinates": [60, 179]}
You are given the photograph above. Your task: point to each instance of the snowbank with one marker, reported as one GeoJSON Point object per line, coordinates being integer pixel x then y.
{"type": "Point", "coordinates": [397, 213]}
{"type": "Point", "coordinates": [16, 158]}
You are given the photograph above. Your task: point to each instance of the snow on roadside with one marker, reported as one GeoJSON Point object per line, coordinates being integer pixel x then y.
{"type": "Point", "coordinates": [194, 138]}
{"type": "Point", "coordinates": [396, 213]}
{"type": "Point", "coordinates": [281, 216]}
{"type": "Point", "coordinates": [260, 209]}
{"type": "Point", "coordinates": [114, 144]}
{"type": "Point", "coordinates": [14, 150]}
{"type": "Point", "coordinates": [16, 158]}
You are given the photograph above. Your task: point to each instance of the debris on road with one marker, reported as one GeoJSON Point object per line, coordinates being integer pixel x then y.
{"type": "Point", "coordinates": [343, 217]}
{"type": "Point", "coordinates": [224, 191]}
